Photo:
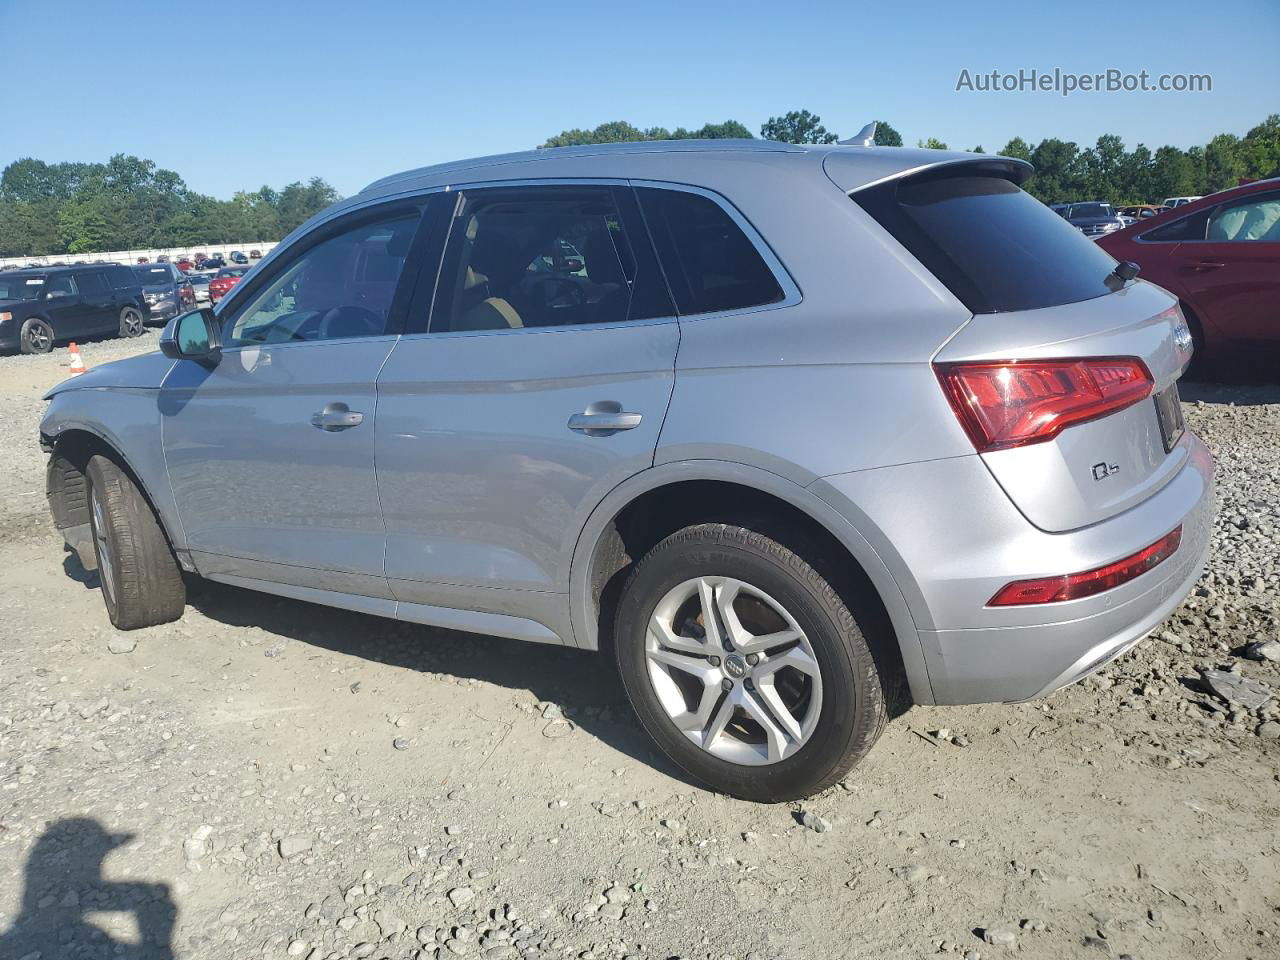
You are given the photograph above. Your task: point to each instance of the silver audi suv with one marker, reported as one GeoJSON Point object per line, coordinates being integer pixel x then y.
{"type": "Point", "coordinates": [800, 435]}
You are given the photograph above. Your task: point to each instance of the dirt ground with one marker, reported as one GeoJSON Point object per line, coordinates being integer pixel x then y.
{"type": "Point", "coordinates": [266, 778]}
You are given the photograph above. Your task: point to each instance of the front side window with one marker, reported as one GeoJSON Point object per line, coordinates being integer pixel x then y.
{"type": "Point", "coordinates": [62, 286]}
{"type": "Point", "coordinates": [339, 288]}
{"type": "Point", "coordinates": [711, 264]}
{"type": "Point", "coordinates": [1252, 219]}
{"type": "Point", "coordinates": [545, 256]}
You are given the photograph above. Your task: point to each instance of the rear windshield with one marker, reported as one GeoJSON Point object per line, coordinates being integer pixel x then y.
{"type": "Point", "coordinates": [995, 247]}
{"type": "Point", "coordinates": [151, 276]}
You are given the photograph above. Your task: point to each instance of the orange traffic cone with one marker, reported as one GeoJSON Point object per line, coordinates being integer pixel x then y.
{"type": "Point", "coordinates": [77, 362]}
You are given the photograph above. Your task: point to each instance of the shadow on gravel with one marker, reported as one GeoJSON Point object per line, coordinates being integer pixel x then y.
{"type": "Point", "coordinates": [583, 684]}
{"type": "Point", "coordinates": [1241, 394]}
{"type": "Point", "coordinates": [64, 883]}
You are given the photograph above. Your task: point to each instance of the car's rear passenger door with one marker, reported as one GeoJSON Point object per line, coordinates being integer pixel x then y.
{"type": "Point", "coordinates": [271, 450]}
{"type": "Point", "coordinates": [536, 381]}
{"type": "Point", "coordinates": [98, 303]}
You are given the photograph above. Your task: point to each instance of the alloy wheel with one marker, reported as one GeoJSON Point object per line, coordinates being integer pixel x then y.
{"type": "Point", "coordinates": [733, 670]}
{"type": "Point", "coordinates": [105, 563]}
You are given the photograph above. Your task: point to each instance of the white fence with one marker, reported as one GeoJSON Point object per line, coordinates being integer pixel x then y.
{"type": "Point", "coordinates": [131, 256]}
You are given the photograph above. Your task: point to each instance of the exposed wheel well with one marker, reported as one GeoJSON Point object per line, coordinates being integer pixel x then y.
{"type": "Point", "coordinates": [656, 514]}
{"type": "Point", "coordinates": [67, 487]}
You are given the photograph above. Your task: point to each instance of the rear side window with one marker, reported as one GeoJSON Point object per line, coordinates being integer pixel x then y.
{"type": "Point", "coordinates": [1188, 228]}
{"type": "Point", "coordinates": [711, 264]}
{"type": "Point", "coordinates": [995, 247]}
{"type": "Point", "coordinates": [91, 282]}
{"type": "Point", "coordinates": [122, 278]}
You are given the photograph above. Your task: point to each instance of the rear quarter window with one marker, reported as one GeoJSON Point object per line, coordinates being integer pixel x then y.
{"type": "Point", "coordinates": [995, 247]}
{"type": "Point", "coordinates": [710, 263]}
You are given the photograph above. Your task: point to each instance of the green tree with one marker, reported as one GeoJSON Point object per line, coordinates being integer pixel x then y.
{"type": "Point", "coordinates": [797, 126]}
{"type": "Point", "coordinates": [1017, 148]}
{"type": "Point", "coordinates": [886, 135]}
{"type": "Point", "coordinates": [1057, 178]}
{"type": "Point", "coordinates": [1172, 175]}
{"type": "Point", "coordinates": [933, 143]}
{"type": "Point", "coordinates": [1223, 164]}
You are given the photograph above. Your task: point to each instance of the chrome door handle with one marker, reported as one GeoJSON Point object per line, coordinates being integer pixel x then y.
{"type": "Point", "coordinates": [337, 416]}
{"type": "Point", "coordinates": [1209, 264]}
{"type": "Point", "coordinates": [603, 418]}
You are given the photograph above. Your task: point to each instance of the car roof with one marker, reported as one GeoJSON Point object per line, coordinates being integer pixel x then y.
{"type": "Point", "coordinates": [851, 167]}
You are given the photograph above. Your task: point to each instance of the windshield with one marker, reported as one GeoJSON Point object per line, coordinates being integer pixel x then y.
{"type": "Point", "coordinates": [153, 276]}
{"type": "Point", "coordinates": [1085, 211]}
{"type": "Point", "coordinates": [21, 288]}
{"type": "Point", "coordinates": [199, 279]}
{"type": "Point", "coordinates": [233, 272]}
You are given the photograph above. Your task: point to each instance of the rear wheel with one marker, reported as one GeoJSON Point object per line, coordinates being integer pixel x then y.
{"type": "Point", "coordinates": [141, 581]}
{"type": "Point", "coordinates": [131, 322]}
{"type": "Point", "coordinates": [746, 666]}
{"type": "Point", "coordinates": [36, 336]}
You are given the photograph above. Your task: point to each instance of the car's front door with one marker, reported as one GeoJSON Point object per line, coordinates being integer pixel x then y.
{"type": "Point", "coordinates": [1233, 275]}
{"type": "Point", "coordinates": [270, 451]}
{"type": "Point", "coordinates": [541, 382]}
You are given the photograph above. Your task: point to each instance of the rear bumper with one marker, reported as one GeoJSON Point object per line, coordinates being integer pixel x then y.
{"type": "Point", "coordinates": [954, 549]}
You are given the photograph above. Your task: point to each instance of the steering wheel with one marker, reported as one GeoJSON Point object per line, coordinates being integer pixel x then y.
{"type": "Point", "coordinates": [350, 321]}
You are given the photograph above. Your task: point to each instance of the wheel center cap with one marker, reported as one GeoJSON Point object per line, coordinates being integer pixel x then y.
{"type": "Point", "coordinates": [735, 666]}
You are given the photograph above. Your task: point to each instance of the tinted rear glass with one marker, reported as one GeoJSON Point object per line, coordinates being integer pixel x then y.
{"type": "Point", "coordinates": [995, 247]}
{"type": "Point", "coordinates": [152, 276]}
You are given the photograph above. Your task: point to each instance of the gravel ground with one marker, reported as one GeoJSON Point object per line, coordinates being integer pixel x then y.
{"type": "Point", "coordinates": [270, 779]}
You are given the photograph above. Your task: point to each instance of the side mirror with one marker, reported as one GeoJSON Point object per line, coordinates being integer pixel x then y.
{"type": "Point", "coordinates": [193, 336]}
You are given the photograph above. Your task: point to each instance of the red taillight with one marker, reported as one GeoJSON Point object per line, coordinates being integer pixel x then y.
{"type": "Point", "coordinates": [1011, 403]}
{"type": "Point", "coordinates": [1073, 586]}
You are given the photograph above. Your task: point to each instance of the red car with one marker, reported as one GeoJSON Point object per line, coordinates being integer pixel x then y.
{"type": "Point", "coordinates": [185, 265]}
{"type": "Point", "coordinates": [1220, 256]}
{"type": "Point", "coordinates": [223, 281]}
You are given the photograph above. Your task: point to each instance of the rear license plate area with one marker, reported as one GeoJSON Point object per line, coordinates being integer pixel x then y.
{"type": "Point", "coordinates": [1169, 413]}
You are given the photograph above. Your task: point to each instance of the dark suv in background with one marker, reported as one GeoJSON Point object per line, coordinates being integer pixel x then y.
{"type": "Point", "coordinates": [1093, 219]}
{"type": "Point", "coordinates": [165, 289]}
{"type": "Point", "coordinates": [44, 305]}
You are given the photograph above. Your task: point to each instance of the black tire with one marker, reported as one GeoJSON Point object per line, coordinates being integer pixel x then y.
{"type": "Point", "coordinates": [141, 582]}
{"type": "Point", "coordinates": [854, 706]}
{"type": "Point", "coordinates": [36, 336]}
{"type": "Point", "coordinates": [132, 323]}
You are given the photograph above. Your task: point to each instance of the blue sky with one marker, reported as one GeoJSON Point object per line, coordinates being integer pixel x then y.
{"type": "Point", "coordinates": [234, 95]}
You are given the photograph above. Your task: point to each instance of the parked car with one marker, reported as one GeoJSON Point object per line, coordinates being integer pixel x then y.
{"type": "Point", "coordinates": [200, 286]}
{"type": "Point", "coordinates": [199, 258]}
{"type": "Point", "coordinates": [143, 260]}
{"type": "Point", "coordinates": [224, 280]}
{"type": "Point", "coordinates": [1179, 201]}
{"type": "Point", "coordinates": [43, 306]}
{"type": "Point", "coordinates": [185, 264]}
{"type": "Point", "coordinates": [212, 263]}
{"type": "Point", "coordinates": [1093, 219]}
{"type": "Point", "coordinates": [1220, 256]}
{"type": "Point", "coordinates": [238, 257]}
{"type": "Point", "coordinates": [808, 513]}
{"type": "Point", "coordinates": [165, 289]}
{"type": "Point", "coordinates": [163, 258]}
{"type": "Point", "coordinates": [255, 254]}
{"type": "Point", "coordinates": [1142, 211]}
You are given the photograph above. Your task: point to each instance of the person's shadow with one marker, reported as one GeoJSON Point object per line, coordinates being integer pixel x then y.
{"type": "Point", "coordinates": [64, 882]}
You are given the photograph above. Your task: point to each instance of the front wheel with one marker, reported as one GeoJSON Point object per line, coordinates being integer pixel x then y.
{"type": "Point", "coordinates": [141, 582]}
{"type": "Point", "coordinates": [746, 666]}
{"type": "Point", "coordinates": [131, 322]}
{"type": "Point", "coordinates": [36, 336]}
